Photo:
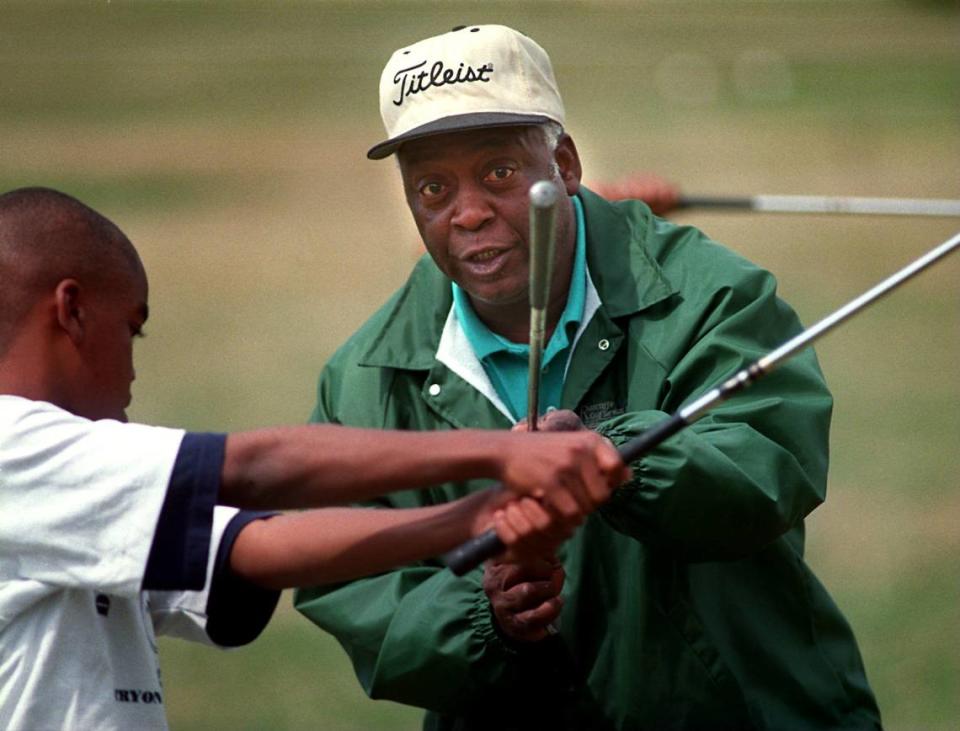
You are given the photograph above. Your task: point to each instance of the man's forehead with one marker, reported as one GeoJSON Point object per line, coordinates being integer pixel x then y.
{"type": "Point", "coordinates": [438, 147]}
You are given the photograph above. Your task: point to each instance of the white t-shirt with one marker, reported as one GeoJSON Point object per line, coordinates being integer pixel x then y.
{"type": "Point", "coordinates": [80, 504]}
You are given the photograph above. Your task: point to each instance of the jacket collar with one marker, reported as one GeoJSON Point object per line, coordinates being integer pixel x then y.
{"type": "Point", "coordinates": [625, 275]}
{"type": "Point", "coordinates": [626, 278]}
{"type": "Point", "coordinates": [412, 322]}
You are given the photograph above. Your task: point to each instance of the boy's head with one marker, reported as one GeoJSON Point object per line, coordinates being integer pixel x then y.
{"type": "Point", "coordinates": [73, 294]}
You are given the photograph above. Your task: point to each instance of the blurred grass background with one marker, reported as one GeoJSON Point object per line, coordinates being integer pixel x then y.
{"type": "Point", "coordinates": [228, 139]}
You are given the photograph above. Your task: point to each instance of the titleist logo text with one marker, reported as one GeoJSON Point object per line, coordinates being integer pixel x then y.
{"type": "Point", "coordinates": [413, 82]}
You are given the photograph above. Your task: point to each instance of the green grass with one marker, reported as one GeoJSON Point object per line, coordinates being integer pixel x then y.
{"type": "Point", "coordinates": [158, 61]}
{"type": "Point", "coordinates": [228, 139]}
{"type": "Point", "coordinates": [293, 678]}
{"type": "Point", "coordinates": [168, 192]}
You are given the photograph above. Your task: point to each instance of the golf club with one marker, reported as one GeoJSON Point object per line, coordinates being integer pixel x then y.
{"type": "Point", "coordinates": [826, 204]}
{"type": "Point", "coordinates": [475, 551]}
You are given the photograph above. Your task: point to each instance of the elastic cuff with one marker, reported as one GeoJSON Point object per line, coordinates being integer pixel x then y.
{"type": "Point", "coordinates": [484, 625]}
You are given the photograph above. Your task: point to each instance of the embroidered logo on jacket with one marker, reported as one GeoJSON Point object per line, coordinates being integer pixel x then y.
{"type": "Point", "coordinates": [593, 414]}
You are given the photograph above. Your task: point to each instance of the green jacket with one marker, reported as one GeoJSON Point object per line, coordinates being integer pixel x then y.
{"type": "Point", "coordinates": [688, 604]}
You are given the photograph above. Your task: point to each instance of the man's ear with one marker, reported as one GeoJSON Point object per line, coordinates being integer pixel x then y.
{"type": "Point", "coordinates": [71, 316]}
{"type": "Point", "coordinates": [568, 160]}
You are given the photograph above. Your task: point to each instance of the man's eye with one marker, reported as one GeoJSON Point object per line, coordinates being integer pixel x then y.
{"type": "Point", "coordinates": [500, 173]}
{"type": "Point", "coordinates": [431, 190]}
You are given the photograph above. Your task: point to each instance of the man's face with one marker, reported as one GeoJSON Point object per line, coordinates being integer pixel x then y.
{"type": "Point", "coordinates": [469, 195]}
{"type": "Point", "coordinates": [115, 317]}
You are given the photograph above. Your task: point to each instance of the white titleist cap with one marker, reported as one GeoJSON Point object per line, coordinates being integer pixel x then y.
{"type": "Point", "coordinates": [474, 76]}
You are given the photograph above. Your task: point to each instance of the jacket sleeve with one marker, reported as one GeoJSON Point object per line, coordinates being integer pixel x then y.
{"type": "Point", "coordinates": [753, 466]}
{"type": "Point", "coordinates": [419, 635]}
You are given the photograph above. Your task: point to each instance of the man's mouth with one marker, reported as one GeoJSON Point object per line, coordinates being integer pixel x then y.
{"type": "Point", "coordinates": [485, 255]}
{"type": "Point", "coordinates": [486, 262]}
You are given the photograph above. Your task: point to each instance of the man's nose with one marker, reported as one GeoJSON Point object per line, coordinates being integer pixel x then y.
{"type": "Point", "coordinates": [472, 208]}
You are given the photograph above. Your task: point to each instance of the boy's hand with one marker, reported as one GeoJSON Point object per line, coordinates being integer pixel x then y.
{"type": "Point", "coordinates": [571, 469]}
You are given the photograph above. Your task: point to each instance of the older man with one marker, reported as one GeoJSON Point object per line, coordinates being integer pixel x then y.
{"type": "Point", "coordinates": [106, 527]}
{"type": "Point", "coordinates": [685, 602]}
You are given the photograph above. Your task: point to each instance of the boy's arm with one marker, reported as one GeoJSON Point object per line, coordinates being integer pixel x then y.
{"type": "Point", "coordinates": [337, 544]}
{"type": "Point", "coordinates": [322, 464]}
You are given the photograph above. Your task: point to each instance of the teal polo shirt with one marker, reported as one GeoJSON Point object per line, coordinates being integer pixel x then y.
{"type": "Point", "coordinates": [506, 363]}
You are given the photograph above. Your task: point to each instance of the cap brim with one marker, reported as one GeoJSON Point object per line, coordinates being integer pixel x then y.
{"type": "Point", "coordinates": [456, 123]}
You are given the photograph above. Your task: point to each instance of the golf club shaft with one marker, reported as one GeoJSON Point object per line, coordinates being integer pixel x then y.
{"type": "Point", "coordinates": [474, 552]}
{"type": "Point", "coordinates": [827, 204]}
{"type": "Point", "coordinates": [543, 207]}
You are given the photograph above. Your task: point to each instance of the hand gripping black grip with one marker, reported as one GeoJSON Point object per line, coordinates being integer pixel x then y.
{"type": "Point", "coordinates": [474, 552]}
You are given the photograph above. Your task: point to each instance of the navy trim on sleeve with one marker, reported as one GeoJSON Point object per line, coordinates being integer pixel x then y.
{"type": "Point", "coordinates": [237, 610]}
{"type": "Point", "coordinates": [181, 543]}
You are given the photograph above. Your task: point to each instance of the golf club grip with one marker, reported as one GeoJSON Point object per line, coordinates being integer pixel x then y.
{"type": "Point", "coordinates": [715, 201]}
{"type": "Point", "coordinates": [477, 550]}
{"type": "Point", "coordinates": [474, 552]}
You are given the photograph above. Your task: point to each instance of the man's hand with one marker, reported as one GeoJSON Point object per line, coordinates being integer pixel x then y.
{"type": "Point", "coordinates": [525, 597]}
{"type": "Point", "coordinates": [572, 473]}
{"type": "Point", "coordinates": [554, 420]}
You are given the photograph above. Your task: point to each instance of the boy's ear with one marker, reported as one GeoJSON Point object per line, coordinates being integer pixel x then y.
{"type": "Point", "coordinates": [71, 316]}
